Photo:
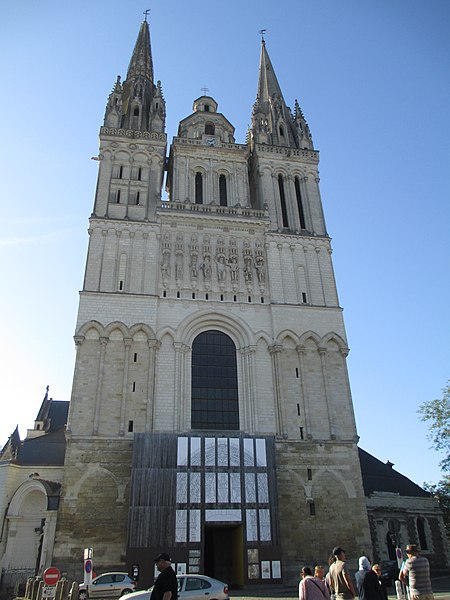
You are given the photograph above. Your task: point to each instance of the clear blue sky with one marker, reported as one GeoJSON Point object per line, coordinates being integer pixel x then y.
{"type": "Point", "coordinates": [373, 80]}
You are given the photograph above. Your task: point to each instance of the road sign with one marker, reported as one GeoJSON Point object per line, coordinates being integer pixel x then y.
{"type": "Point", "coordinates": [51, 576]}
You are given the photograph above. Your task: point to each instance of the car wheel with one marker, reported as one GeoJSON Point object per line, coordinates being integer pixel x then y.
{"type": "Point", "coordinates": [82, 595]}
{"type": "Point", "coordinates": [124, 592]}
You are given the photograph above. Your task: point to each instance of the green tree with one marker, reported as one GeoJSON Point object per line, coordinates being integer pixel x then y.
{"type": "Point", "coordinates": [441, 491]}
{"type": "Point", "coordinates": [437, 412]}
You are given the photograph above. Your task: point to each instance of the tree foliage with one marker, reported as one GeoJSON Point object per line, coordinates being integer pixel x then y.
{"type": "Point", "coordinates": [437, 412]}
{"type": "Point", "coordinates": [441, 491]}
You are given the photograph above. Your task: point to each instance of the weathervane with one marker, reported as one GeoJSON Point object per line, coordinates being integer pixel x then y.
{"type": "Point", "coordinates": [262, 32]}
{"type": "Point", "coordinates": [146, 14]}
{"type": "Point", "coordinates": [205, 90]}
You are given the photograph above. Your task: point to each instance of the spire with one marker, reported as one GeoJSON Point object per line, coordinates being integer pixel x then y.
{"type": "Point", "coordinates": [141, 61]}
{"type": "Point", "coordinates": [139, 101]}
{"type": "Point", "coordinates": [272, 120]}
{"type": "Point", "coordinates": [267, 84]}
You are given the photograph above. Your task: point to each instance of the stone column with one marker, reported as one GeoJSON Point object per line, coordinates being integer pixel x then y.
{"type": "Point", "coordinates": [101, 372]}
{"type": "Point", "coordinates": [344, 353]}
{"type": "Point", "coordinates": [153, 346]}
{"type": "Point", "coordinates": [304, 391]}
{"type": "Point", "coordinates": [79, 339]}
{"type": "Point", "coordinates": [249, 386]}
{"type": "Point", "coordinates": [126, 365]}
{"type": "Point", "coordinates": [179, 385]}
{"type": "Point", "coordinates": [276, 201]}
{"type": "Point", "coordinates": [306, 204]}
{"type": "Point", "coordinates": [291, 204]}
{"type": "Point", "coordinates": [275, 351]}
{"type": "Point", "coordinates": [319, 268]}
{"type": "Point", "coordinates": [323, 355]}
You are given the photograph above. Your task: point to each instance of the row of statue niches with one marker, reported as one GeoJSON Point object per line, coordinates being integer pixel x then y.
{"type": "Point", "coordinates": [247, 266]}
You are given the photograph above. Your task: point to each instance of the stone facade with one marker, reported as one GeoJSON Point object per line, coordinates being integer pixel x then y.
{"type": "Point", "coordinates": [239, 250]}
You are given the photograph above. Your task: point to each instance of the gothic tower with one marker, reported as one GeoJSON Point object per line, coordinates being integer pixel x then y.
{"type": "Point", "coordinates": [211, 413]}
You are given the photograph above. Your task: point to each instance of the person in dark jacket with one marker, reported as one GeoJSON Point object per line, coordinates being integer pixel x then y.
{"type": "Point", "coordinates": [367, 582]}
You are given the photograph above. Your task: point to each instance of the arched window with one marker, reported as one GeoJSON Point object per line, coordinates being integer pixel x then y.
{"type": "Point", "coordinates": [136, 111]}
{"type": "Point", "coordinates": [223, 190]}
{"type": "Point", "coordinates": [283, 202]}
{"type": "Point", "coordinates": [209, 129]}
{"type": "Point", "coordinates": [421, 531]}
{"type": "Point", "coordinates": [214, 382]}
{"type": "Point", "coordinates": [281, 131]}
{"type": "Point", "coordinates": [198, 188]}
{"type": "Point", "coordinates": [301, 214]}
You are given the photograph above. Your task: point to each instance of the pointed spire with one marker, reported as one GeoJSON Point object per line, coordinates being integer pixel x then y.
{"type": "Point", "coordinates": [142, 105]}
{"type": "Point", "coordinates": [268, 85]}
{"type": "Point", "coordinates": [141, 61]}
{"type": "Point", "coordinates": [272, 120]}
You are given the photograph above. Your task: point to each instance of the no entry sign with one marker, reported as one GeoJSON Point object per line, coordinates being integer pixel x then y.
{"type": "Point", "coordinates": [51, 576]}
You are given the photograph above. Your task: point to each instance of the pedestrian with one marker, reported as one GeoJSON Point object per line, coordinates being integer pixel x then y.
{"type": "Point", "coordinates": [376, 568]}
{"type": "Point", "coordinates": [311, 587]}
{"type": "Point", "coordinates": [415, 573]}
{"type": "Point", "coordinates": [367, 582]}
{"type": "Point", "coordinates": [340, 580]}
{"type": "Point", "coordinates": [331, 560]}
{"type": "Point", "coordinates": [166, 585]}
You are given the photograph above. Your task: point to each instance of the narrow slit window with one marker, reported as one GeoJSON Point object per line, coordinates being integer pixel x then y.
{"type": "Point", "coordinates": [298, 409]}
{"type": "Point", "coordinates": [249, 298]}
{"type": "Point", "coordinates": [120, 172]}
{"type": "Point", "coordinates": [178, 294]}
{"type": "Point", "coordinates": [164, 293]}
{"type": "Point", "coordinates": [304, 299]}
{"type": "Point", "coordinates": [234, 298]}
{"type": "Point", "coordinates": [262, 300]}
{"type": "Point", "coordinates": [223, 190]}
{"type": "Point", "coordinates": [135, 357]}
{"type": "Point", "coordinates": [301, 212]}
{"type": "Point", "coordinates": [130, 426]}
{"type": "Point", "coordinates": [221, 297]}
{"type": "Point", "coordinates": [134, 386]}
{"type": "Point", "coordinates": [309, 473]}
{"type": "Point", "coordinates": [283, 202]}
{"type": "Point", "coordinates": [138, 195]}
{"type": "Point", "coordinates": [120, 286]}
{"type": "Point", "coordinates": [312, 509]}
{"type": "Point", "coordinates": [193, 295]}
{"type": "Point", "coordinates": [296, 372]}
{"type": "Point", "coordinates": [140, 173]}
{"type": "Point", "coordinates": [198, 188]}
{"type": "Point", "coordinates": [206, 296]}
{"type": "Point", "coordinates": [118, 197]}
{"type": "Point", "coordinates": [301, 433]}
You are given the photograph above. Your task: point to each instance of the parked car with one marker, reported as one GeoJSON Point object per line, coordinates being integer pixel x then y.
{"type": "Point", "coordinates": [191, 587]}
{"type": "Point", "coordinates": [108, 585]}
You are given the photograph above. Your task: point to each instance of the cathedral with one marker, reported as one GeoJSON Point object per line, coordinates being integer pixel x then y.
{"type": "Point", "coordinates": [211, 415]}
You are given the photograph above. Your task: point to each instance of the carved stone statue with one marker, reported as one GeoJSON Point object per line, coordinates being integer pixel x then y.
{"type": "Point", "coordinates": [206, 267]}
{"type": "Point", "coordinates": [220, 265]}
{"type": "Point", "coordinates": [165, 265]}
{"type": "Point", "coordinates": [260, 271]}
{"type": "Point", "coordinates": [234, 267]}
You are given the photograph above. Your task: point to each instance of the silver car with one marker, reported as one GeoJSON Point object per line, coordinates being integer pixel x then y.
{"type": "Point", "coordinates": [191, 587]}
{"type": "Point", "coordinates": [108, 585]}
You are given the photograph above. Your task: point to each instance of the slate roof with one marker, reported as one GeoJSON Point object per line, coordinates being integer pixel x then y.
{"type": "Point", "coordinates": [48, 449]}
{"type": "Point", "coordinates": [381, 477]}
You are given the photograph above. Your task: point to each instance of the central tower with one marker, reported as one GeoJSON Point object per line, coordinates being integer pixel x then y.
{"type": "Point", "coordinates": [211, 413]}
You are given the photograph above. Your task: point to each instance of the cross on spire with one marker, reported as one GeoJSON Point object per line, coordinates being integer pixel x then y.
{"type": "Point", "coordinates": [262, 33]}
{"type": "Point", "coordinates": [205, 90]}
{"type": "Point", "coordinates": [146, 14]}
